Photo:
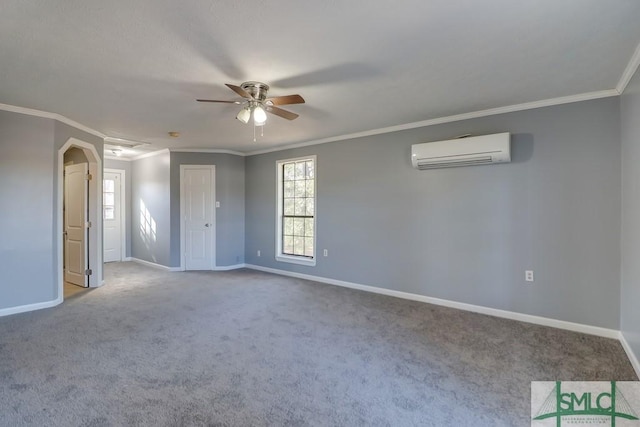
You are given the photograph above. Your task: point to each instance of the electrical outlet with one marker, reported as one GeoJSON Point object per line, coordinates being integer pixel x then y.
{"type": "Point", "coordinates": [528, 275]}
{"type": "Point", "coordinates": [325, 252]}
{"type": "Point", "coordinates": [217, 204]}
{"type": "Point", "coordinates": [258, 252]}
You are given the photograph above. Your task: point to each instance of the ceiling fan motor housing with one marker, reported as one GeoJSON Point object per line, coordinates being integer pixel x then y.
{"type": "Point", "coordinates": [256, 89]}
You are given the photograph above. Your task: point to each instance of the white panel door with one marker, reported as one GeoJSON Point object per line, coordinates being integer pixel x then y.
{"type": "Point", "coordinates": [198, 216]}
{"type": "Point", "coordinates": [75, 219]}
{"type": "Point", "coordinates": [112, 216]}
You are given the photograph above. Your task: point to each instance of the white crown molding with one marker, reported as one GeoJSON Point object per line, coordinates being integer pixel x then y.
{"type": "Point", "coordinates": [632, 356]}
{"type": "Point", "coordinates": [151, 154]}
{"type": "Point", "coordinates": [54, 116]}
{"type": "Point", "coordinates": [122, 159]}
{"type": "Point", "coordinates": [448, 119]}
{"type": "Point", "coordinates": [528, 318]}
{"type": "Point", "coordinates": [207, 150]}
{"type": "Point", "coordinates": [628, 73]}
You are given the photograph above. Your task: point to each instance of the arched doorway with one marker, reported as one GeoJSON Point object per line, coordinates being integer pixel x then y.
{"type": "Point", "coordinates": [94, 206]}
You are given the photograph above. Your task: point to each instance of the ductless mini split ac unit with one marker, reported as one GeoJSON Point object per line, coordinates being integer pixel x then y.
{"type": "Point", "coordinates": [476, 150]}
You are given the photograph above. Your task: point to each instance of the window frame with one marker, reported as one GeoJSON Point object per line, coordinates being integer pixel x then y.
{"type": "Point", "coordinates": [280, 256]}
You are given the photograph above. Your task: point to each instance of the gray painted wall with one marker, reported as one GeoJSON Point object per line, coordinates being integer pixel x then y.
{"type": "Point", "coordinates": [468, 234]}
{"type": "Point", "coordinates": [630, 288]}
{"type": "Point", "coordinates": [27, 274]}
{"type": "Point", "coordinates": [150, 194]}
{"type": "Point", "coordinates": [28, 191]}
{"type": "Point", "coordinates": [126, 166]}
{"type": "Point", "coordinates": [230, 175]}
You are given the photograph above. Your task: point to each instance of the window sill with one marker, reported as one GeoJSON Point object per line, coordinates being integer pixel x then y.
{"type": "Point", "coordinates": [296, 260]}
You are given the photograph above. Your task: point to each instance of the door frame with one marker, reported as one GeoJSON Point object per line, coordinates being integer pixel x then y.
{"type": "Point", "coordinates": [182, 214]}
{"type": "Point", "coordinates": [95, 214]}
{"type": "Point", "coordinates": [123, 210]}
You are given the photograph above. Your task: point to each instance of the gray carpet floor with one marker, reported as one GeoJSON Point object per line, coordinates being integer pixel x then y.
{"type": "Point", "coordinates": [245, 348]}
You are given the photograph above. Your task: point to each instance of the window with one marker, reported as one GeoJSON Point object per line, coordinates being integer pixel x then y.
{"type": "Point", "coordinates": [296, 216]}
{"type": "Point", "coordinates": [109, 199]}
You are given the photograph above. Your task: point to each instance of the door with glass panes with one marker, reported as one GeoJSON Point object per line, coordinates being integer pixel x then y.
{"type": "Point", "coordinates": [112, 216]}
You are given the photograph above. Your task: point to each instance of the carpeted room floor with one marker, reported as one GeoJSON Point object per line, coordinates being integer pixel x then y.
{"type": "Point", "coordinates": [245, 348]}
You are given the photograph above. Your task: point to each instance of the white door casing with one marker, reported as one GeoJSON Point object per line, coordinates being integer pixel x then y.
{"type": "Point", "coordinates": [76, 226]}
{"type": "Point", "coordinates": [112, 208]}
{"type": "Point", "coordinates": [94, 244]}
{"type": "Point", "coordinates": [197, 214]}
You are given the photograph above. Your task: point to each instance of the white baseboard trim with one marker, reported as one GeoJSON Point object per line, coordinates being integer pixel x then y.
{"type": "Point", "coordinates": [229, 267]}
{"type": "Point", "coordinates": [29, 307]}
{"type": "Point", "coordinates": [528, 318]}
{"type": "Point", "coordinates": [153, 264]}
{"type": "Point", "coordinates": [127, 259]}
{"type": "Point", "coordinates": [630, 354]}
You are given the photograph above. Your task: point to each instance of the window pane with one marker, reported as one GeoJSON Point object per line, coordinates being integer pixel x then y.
{"type": "Point", "coordinates": [310, 207]}
{"type": "Point", "coordinates": [288, 226]}
{"type": "Point", "coordinates": [310, 170]}
{"type": "Point", "coordinates": [298, 245]}
{"type": "Point", "coordinates": [109, 185]}
{"type": "Point", "coordinates": [310, 188]}
{"type": "Point", "coordinates": [287, 245]}
{"type": "Point", "coordinates": [308, 246]}
{"type": "Point", "coordinates": [109, 213]}
{"type": "Point", "coordinates": [308, 227]}
{"type": "Point", "coordinates": [298, 227]}
{"type": "Point", "coordinates": [301, 188]}
{"type": "Point", "coordinates": [289, 172]}
{"type": "Point", "coordinates": [300, 170]}
{"type": "Point", "coordinates": [300, 207]}
{"type": "Point", "coordinates": [108, 199]}
{"type": "Point", "coordinates": [289, 188]}
{"type": "Point", "coordinates": [289, 207]}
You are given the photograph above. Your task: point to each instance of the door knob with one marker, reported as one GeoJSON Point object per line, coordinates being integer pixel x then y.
{"type": "Point", "coordinates": [206, 225]}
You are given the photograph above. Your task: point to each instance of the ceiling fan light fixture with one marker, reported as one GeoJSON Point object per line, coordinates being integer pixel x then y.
{"type": "Point", "coordinates": [244, 115]}
{"type": "Point", "coordinates": [259, 115]}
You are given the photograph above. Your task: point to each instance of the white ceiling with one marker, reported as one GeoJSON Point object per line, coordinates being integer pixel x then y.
{"type": "Point", "coordinates": [133, 69]}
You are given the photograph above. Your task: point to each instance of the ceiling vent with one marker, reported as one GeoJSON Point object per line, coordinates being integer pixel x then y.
{"type": "Point", "coordinates": [126, 143]}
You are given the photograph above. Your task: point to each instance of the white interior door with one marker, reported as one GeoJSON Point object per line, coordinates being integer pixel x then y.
{"type": "Point", "coordinates": [197, 196]}
{"type": "Point", "coordinates": [76, 226]}
{"type": "Point", "coordinates": [112, 216]}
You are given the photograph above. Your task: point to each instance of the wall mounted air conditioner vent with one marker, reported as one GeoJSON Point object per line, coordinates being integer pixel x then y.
{"type": "Point", "coordinates": [476, 150]}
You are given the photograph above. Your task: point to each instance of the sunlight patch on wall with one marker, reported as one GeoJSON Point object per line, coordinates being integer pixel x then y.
{"type": "Point", "coordinates": [147, 228]}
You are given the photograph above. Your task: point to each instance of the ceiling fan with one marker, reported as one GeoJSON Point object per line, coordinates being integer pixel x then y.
{"type": "Point", "coordinates": [256, 104]}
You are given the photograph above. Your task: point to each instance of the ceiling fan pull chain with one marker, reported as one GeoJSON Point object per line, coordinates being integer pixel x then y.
{"type": "Point", "coordinates": [254, 132]}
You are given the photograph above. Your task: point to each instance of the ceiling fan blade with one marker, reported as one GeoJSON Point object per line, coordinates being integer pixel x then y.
{"type": "Point", "coordinates": [217, 100]}
{"type": "Point", "coordinates": [237, 89]}
{"type": "Point", "coordinates": [285, 100]}
{"type": "Point", "coordinates": [282, 113]}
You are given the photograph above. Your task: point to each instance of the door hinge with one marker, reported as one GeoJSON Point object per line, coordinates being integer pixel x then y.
{"type": "Point", "coordinates": [88, 224]}
{"type": "Point", "coordinates": [88, 272]}
{"type": "Point", "coordinates": [89, 177]}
